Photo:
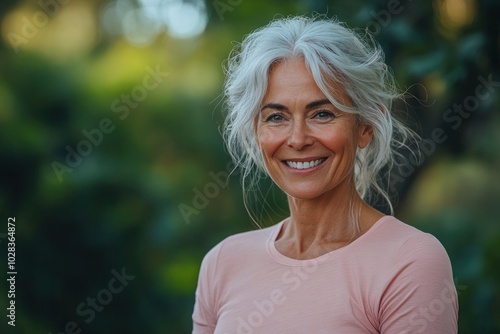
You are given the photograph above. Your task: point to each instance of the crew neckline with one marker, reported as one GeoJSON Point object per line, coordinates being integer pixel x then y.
{"type": "Point", "coordinates": [285, 260]}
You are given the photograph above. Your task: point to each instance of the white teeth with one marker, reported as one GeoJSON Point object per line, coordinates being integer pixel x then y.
{"type": "Point", "coordinates": [304, 165]}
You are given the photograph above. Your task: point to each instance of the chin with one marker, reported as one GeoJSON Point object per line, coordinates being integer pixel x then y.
{"type": "Point", "coordinates": [303, 193]}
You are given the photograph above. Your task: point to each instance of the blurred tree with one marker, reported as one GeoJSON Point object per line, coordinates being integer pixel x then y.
{"type": "Point", "coordinates": [118, 207]}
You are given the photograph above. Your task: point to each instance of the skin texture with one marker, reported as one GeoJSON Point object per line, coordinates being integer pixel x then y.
{"type": "Point", "coordinates": [298, 123]}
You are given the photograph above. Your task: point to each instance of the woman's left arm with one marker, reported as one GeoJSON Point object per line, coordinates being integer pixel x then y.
{"type": "Point", "coordinates": [421, 296]}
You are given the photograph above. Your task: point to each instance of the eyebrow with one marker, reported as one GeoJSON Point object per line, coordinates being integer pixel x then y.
{"type": "Point", "coordinates": [318, 103]}
{"type": "Point", "coordinates": [310, 105]}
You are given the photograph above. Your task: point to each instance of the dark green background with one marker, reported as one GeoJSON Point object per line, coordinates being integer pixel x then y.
{"type": "Point", "coordinates": [119, 208]}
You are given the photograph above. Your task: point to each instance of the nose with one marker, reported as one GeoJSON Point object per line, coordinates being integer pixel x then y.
{"type": "Point", "coordinates": [299, 137]}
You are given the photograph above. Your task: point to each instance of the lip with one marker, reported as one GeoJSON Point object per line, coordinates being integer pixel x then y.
{"type": "Point", "coordinates": [304, 171]}
{"type": "Point", "coordinates": [304, 159]}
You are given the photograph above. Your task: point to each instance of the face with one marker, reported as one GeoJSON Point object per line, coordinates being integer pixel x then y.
{"type": "Point", "coordinates": [308, 145]}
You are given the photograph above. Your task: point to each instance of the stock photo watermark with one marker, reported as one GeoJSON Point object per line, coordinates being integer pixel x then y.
{"type": "Point", "coordinates": [223, 6]}
{"type": "Point", "coordinates": [419, 320]}
{"type": "Point", "coordinates": [383, 17]}
{"type": "Point", "coordinates": [31, 27]}
{"type": "Point", "coordinates": [88, 308]}
{"type": "Point", "coordinates": [454, 117]}
{"type": "Point", "coordinates": [291, 280]}
{"type": "Point", "coordinates": [94, 137]}
{"type": "Point", "coordinates": [11, 270]}
{"type": "Point", "coordinates": [203, 195]}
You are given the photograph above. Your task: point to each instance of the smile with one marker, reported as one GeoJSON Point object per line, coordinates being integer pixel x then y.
{"type": "Point", "coordinates": [305, 164]}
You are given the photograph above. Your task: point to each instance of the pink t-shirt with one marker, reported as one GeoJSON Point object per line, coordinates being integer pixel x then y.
{"type": "Point", "coordinates": [394, 279]}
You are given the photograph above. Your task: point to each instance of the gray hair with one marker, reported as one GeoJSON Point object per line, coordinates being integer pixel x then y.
{"type": "Point", "coordinates": [333, 53]}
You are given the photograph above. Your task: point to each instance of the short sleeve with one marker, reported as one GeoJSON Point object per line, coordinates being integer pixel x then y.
{"type": "Point", "coordinates": [205, 314]}
{"type": "Point", "coordinates": [421, 296]}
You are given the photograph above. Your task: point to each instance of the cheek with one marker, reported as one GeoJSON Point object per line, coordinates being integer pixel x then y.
{"type": "Point", "coordinates": [336, 140]}
{"type": "Point", "coordinates": [340, 142]}
{"type": "Point", "coordinates": [268, 141]}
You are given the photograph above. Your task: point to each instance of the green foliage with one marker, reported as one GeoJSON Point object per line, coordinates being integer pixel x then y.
{"type": "Point", "coordinates": [118, 206]}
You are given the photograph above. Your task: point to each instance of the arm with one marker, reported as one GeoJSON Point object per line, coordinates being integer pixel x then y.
{"type": "Point", "coordinates": [205, 314]}
{"type": "Point", "coordinates": [421, 297]}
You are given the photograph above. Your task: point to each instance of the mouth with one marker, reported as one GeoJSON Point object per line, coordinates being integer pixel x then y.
{"type": "Point", "coordinates": [301, 165]}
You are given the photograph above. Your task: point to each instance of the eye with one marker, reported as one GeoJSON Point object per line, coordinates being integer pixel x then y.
{"type": "Point", "coordinates": [275, 118]}
{"type": "Point", "coordinates": [324, 114]}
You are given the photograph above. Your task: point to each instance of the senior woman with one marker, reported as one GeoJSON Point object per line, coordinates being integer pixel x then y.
{"type": "Point", "coordinates": [309, 104]}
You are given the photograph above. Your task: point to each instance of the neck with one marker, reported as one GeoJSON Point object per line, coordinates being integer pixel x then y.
{"type": "Point", "coordinates": [317, 226]}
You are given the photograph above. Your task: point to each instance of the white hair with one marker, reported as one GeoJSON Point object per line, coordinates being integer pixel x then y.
{"type": "Point", "coordinates": [334, 54]}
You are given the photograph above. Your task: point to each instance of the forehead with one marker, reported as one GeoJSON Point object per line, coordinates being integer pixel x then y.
{"type": "Point", "coordinates": [292, 79]}
{"type": "Point", "coordinates": [289, 73]}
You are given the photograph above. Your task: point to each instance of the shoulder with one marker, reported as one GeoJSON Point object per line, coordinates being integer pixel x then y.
{"type": "Point", "coordinates": [417, 277]}
{"type": "Point", "coordinates": [391, 248]}
{"type": "Point", "coordinates": [408, 241]}
{"type": "Point", "coordinates": [409, 259]}
{"type": "Point", "coordinates": [239, 245]}
{"type": "Point", "coordinates": [394, 248]}
{"type": "Point", "coordinates": [414, 244]}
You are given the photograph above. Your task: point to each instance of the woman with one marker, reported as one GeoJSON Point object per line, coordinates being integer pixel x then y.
{"type": "Point", "coordinates": [310, 105]}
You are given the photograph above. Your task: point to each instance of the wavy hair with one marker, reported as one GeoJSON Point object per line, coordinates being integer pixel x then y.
{"type": "Point", "coordinates": [334, 54]}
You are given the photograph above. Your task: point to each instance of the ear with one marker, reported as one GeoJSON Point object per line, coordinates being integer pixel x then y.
{"type": "Point", "coordinates": [365, 135]}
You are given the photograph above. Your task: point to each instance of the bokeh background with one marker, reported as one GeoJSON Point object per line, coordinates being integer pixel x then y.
{"type": "Point", "coordinates": [112, 162]}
